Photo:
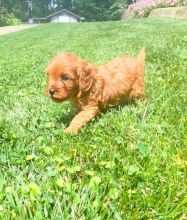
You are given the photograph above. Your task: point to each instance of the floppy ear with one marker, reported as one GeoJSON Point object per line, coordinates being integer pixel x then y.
{"type": "Point", "coordinates": [85, 78]}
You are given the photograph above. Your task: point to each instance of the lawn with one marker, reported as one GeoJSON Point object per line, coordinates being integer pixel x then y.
{"type": "Point", "coordinates": [129, 163]}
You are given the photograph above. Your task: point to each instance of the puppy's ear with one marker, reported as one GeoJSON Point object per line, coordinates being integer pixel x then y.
{"type": "Point", "coordinates": [85, 74]}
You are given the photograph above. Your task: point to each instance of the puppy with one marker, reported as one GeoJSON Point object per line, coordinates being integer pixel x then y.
{"type": "Point", "coordinates": [94, 89]}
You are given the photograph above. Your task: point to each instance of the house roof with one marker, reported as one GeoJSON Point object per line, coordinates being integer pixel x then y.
{"type": "Point", "coordinates": [64, 10]}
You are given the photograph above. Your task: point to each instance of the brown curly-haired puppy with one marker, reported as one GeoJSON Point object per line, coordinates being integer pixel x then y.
{"type": "Point", "coordinates": [92, 88]}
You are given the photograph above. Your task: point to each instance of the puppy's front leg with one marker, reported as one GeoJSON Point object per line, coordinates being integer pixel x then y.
{"type": "Point", "coordinates": [82, 119]}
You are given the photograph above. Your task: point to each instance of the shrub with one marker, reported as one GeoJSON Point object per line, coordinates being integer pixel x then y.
{"type": "Point", "coordinates": [12, 20]}
{"type": "Point", "coordinates": [6, 18]}
{"type": "Point", "coordinates": [142, 8]}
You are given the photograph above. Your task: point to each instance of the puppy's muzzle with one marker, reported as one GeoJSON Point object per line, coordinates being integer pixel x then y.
{"type": "Point", "coordinates": [51, 91]}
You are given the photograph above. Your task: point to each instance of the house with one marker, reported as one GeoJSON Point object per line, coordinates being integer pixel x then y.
{"type": "Point", "coordinates": [64, 16]}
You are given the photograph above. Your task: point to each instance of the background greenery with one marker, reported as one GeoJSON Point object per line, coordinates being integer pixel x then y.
{"type": "Point", "coordinates": [92, 10]}
{"type": "Point", "coordinates": [130, 163]}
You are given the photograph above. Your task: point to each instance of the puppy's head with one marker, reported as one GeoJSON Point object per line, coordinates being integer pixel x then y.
{"type": "Point", "coordinates": [62, 77]}
{"type": "Point", "coordinates": [68, 76]}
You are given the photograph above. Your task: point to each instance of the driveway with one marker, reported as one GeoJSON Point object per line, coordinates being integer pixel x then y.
{"type": "Point", "coordinates": [10, 29]}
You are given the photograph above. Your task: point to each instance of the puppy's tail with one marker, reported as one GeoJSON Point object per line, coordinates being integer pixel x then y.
{"type": "Point", "coordinates": [141, 56]}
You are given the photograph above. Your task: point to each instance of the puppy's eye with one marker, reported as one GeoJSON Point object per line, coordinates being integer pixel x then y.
{"type": "Point", "coordinates": [65, 77]}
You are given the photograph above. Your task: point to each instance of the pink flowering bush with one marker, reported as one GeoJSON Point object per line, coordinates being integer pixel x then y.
{"type": "Point", "coordinates": [142, 8]}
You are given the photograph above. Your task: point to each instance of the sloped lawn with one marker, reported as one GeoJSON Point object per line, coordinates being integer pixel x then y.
{"type": "Point", "coordinates": [130, 163]}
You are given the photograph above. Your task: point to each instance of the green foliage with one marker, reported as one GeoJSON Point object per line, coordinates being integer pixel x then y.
{"type": "Point", "coordinates": [129, 163]}
{"type": "Point", "coordinates": [94, 10]}
{"type": "Point", "coordinates": [18, 8]}
{"type": "Point", "coordinates": [147, 11]}
{"type": "Point", "coordinates": [67, 4]}
{"type": "Point", "coordinates": [3, 15]}
{"type": "Point", "coordinates": [116, 10]}
{"type": "Point", "coordinates": [41, 8]}
{"type": "Point", "coordinates": [11, 20]}
{"type": "Point", "coordinates": [6, 18]}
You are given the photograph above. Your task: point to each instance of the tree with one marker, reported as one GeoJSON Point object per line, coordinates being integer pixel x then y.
{"type": "Point", "coordinates": [67, 4]}
{"type": "Point", "coordinates": [41, 8]}
{"type": "Point", "coordinates": [98, 10]}
{"type": "Point", "coordinates": [3, 15]}
{"type": "Point", "coordinates": [92, 10]}
{"type": "Point", "coordinates": [15, 7]}
{"type": "Point", "coordinates": [116, 10]}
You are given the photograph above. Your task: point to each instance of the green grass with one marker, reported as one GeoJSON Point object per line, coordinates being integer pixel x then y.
{"type": "Point", "coordinates": [130, 163]}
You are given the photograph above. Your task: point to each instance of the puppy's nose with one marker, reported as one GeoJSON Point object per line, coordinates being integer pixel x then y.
{"type": "Point", "coordinates": [52, 91]}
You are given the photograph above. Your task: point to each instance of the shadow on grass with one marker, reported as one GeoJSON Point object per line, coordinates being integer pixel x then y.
{"type": "Point", "coordinates": [67, 117]}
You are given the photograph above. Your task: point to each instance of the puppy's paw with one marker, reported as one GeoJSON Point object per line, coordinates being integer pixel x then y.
{"type": "Point", "coordinates": [70, 130]}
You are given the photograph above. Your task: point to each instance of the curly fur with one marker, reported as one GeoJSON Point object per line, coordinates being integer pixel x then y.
{"type": "Point", "coordinates": [94, 89]}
